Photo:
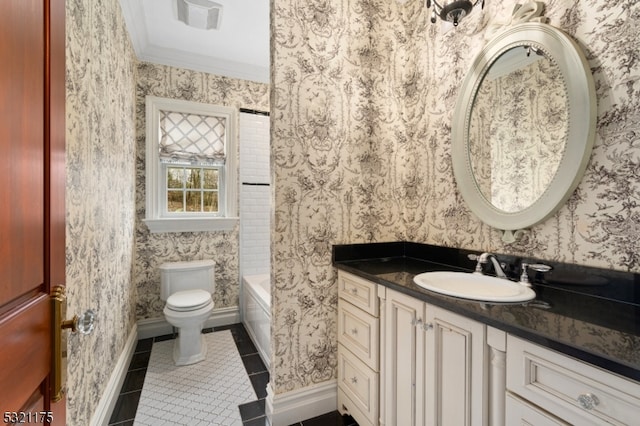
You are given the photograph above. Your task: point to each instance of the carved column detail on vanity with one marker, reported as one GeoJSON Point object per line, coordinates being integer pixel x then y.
{"type": "Point", "coordinates": [497, 342]}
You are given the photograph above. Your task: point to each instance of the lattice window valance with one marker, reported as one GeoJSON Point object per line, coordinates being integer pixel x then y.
{"type": "Point", "coordinates": [192, 138]}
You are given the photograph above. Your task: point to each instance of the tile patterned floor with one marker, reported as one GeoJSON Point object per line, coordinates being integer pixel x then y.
{"type": "Point", "coordinates": [201, 394]}
{"type": "Point", "coordinates": [252, 413]}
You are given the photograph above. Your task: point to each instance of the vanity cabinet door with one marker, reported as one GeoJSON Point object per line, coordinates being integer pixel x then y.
{"type": "Point", "coordinates": [401, 366]}
{"type": "Point", "coordinates": [455, 391]}
{"type": "Point", "coordinates": [434, 365]}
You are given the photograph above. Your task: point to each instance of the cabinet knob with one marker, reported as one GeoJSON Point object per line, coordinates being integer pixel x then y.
{"type": "Point", "coordinates": [354, 380]}
{"type": "Point", "coordinates": [588, 401]}
{"type": "Point", "coordinates": [354, 331]}
{"type": "Point", "coordinates": [417, 322]}
{"type": "Point", "coordinates": [354, 290]}
{"type": "Point", "coordinates": [427, 326]}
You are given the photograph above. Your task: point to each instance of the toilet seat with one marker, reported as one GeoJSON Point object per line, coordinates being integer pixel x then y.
{"type": "Point", "coordinates": [188, 300]}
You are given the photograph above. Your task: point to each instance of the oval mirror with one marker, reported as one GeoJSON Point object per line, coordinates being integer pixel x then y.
{"type": "Point", "coordinates": [523, 127]}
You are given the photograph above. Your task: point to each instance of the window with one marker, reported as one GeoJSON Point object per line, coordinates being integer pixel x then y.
{"type": "Point", "coordinates": [190, 166]}
{"type": "Point", "coordinates": [192, 190]}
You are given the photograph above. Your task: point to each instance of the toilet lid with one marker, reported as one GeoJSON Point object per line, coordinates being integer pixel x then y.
{"type": "Point", "coordinates": [188, 300]}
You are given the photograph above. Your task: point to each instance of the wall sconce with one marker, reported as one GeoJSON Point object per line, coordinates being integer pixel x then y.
{"type": "Point", "coordinates": [452, 11]}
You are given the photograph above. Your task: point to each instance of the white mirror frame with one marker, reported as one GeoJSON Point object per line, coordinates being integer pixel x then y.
{"type": "Point", "coordinates": [581, 130]}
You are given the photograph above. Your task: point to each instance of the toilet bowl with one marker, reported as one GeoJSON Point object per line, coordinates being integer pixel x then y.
{"type": "Point", "coordinates": [187, 287]}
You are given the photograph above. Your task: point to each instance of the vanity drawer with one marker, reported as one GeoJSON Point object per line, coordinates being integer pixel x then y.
{"type": "Point", "coordinates": [359, 292]}
{"type": "Point", "coordinates": [565, 386]}
{"type": "Point", "coordinates": [358, 331]}
{"type": "Point", "coordinates": [519, 412]}
{"type": "Point", "coordinates": [359, 383]}
{"type": "Point", "coordinates": [347, 406]}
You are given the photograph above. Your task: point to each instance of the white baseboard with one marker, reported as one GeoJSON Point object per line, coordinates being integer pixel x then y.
{"type": "Point", "coordinates": [154, 327]}
{"type": "Point", "coordinates": [301, 404]}
{"type": "Point", "coordinates": [110, 396]}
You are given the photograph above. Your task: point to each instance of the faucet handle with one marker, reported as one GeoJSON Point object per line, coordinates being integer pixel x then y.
{"type": "Point", "coordinates": [538, 267]}
{"type": "Point", "coordinates": [524, 277]}
{"type": "Point", "coordinates": [476, 257]}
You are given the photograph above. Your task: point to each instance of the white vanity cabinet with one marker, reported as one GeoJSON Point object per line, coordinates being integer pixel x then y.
{"type": "Point", "coordinates": [435, 365]}
{"type": "Point", "coordinates": [562, 390]}
{"type": "Point", "coordinates": [358, 349]}
{"type": "Point", "coordinates": [405, 362]}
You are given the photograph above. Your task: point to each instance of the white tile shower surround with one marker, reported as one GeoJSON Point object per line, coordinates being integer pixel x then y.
{"type": "Point", "coordinates": [206, 393]}
{"type": "Point", "coordinates": [255, 194]}
{"type": "Point", "coordinates": [255, 229]}
{"type": "Point", "coordinates": [255, 148]}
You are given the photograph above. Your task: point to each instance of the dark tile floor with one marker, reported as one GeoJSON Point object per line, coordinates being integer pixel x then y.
{"type": "Point", "coordinates": [252, 413]}
{"type": "Point", "coordinates": [330, 419]}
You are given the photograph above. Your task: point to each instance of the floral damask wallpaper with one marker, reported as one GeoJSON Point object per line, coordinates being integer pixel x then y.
{"type": "Point", "coordinates": [100, 196]}
{"type": "Point", "coordinates": [363, 92]}
{"type": "Point", "coordinates": [154, 249]}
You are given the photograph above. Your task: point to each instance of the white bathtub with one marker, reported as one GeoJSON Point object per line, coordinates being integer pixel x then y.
{"type": "Point", "coordinates": [256, 308]}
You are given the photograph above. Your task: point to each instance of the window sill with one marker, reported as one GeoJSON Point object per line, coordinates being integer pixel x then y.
{"type": "Point", "coordinates": [194, 224]}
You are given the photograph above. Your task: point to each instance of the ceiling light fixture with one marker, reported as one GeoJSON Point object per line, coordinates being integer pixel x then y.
{"type": "Point", "coordinates": [202, 14]}
{"type": "Point", "coordinates": [451, 11]}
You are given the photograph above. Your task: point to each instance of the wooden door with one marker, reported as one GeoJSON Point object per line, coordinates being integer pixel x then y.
{"type": "Point", "coordinates": [32, 211]}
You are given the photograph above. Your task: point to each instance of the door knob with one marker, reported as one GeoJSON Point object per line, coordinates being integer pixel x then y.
{"type": "Point", "coordinates": [84, 324]}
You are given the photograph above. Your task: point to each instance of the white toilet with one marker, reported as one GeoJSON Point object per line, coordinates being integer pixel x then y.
{"type": "Point", "coordinates": [187, 288]}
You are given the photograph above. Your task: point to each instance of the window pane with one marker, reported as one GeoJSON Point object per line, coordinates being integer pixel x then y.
{"type": "Point", "coordinates": [193, 179]}
{"type": "Point", "coordinates": [193, 201]}
{"type": "Point", "coordinates": [174, 201]}
{"type": "Point", "coordinates": [210, 179]}
{"type": "Point", "coordinates": [210, 201]}
{"type": "Point", "coordinates": [175, 177]}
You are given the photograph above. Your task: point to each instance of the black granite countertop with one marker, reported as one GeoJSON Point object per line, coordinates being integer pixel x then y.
{"type": "Point", "coordinates": [591, 314]}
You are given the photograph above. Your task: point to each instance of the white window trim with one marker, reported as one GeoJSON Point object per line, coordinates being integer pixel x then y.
{"type": "Point", "coordinates": [154, 218]}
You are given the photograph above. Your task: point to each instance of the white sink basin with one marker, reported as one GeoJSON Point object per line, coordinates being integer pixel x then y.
{"type": "Point", "coordinates": [474, 286]}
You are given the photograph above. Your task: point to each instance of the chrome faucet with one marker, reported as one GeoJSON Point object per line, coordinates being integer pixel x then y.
{"type": "Point", "coordinates": [485, 258]}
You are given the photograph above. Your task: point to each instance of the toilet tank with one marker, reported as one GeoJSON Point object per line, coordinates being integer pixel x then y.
{"type": "Point", "coordinates": [191, 275]}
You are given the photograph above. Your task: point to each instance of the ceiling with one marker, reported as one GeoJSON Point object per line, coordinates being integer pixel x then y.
{"type": "Point", "coordinates": [238, 49]}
